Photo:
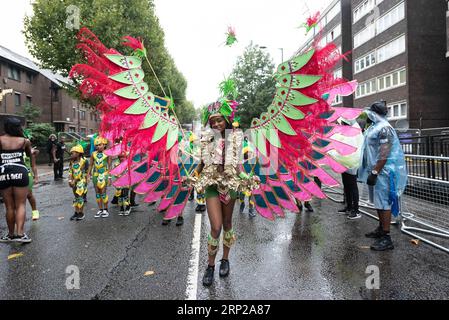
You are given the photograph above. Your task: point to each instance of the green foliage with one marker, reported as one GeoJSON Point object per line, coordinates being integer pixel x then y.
{"type": "Point", "coordinates": [30, 112]}
{"type": "Point", "coordinates": [253, 75]}
{"type": "Point", "coordinates": [40, 133]}
{"type": "Point", "coordinates": [186, 112]}
{"type": "Point", "coordinates": [53, 44]}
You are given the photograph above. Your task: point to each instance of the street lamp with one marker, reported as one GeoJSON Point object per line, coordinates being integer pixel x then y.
{"type": "Point", "coordinates": [282, 51]}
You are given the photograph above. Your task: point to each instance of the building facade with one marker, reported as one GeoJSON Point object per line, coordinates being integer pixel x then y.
{"type": "Point", "coordinates": [42, 89]}
{"type": "Point", "coordinates": [398, 55]}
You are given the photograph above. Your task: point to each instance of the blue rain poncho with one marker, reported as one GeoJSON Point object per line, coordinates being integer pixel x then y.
{"type": "Point", "coordinates": [382, 143]}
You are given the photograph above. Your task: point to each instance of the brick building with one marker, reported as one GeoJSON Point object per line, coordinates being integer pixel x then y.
{"type": "Point", "coordinates": [43, 89]}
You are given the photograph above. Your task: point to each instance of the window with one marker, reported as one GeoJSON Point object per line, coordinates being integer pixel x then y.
{"type": "Point", "coordinates": [74, 112]}
{"type": "Point", "coordinates": [391, 49]}
{"type": "Point", "coordinates": [29, 100]}
{"type": "Point", "coordinates": [338, 73]}
{"type": "Point", "coordinates": [334, 34]}
{"type": "Point", "coordinates": [13, 73]}
{"type": "Point", "coordinates": [397, 110]}
{"type": "Point", "coordinates": [82, 115]}
{"type": "Point", "coordinates": [17, 99]}
{"type": "Point", "coordinates": [29, 77]}
{"type": "Point", "coordinates": [380, 25]}
{"type": "Point", "coordinates": [72, 129]}
{"type": "Point", "coordinates": [338, 100]}
{"type": "Point", "coordinates": [382, 83]}
{"type": "Point", "coordinates": [332, 13]}
{"type": "Point", "coordinates": [364, 8]}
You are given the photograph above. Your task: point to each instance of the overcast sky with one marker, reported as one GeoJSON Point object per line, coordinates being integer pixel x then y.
{"type": "Point", "coordinates": [195, 34]}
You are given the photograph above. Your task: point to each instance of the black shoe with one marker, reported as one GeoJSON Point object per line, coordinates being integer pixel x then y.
{"type": "Point", "coordinates": [202, 207]}
{"type": "Point", "coordinates": [375, 234]}
{"type": "Point", "coordinates": [134, 205]}
{"type": "Point", "coordinates": [308, 207]}
{"type": "Point", "coordinates": [80, 217]}
{"type": "Point", "coordinates": [114, 200]}
{"type": "Point", "coordinates": [191, 196]}
{"type": "Point", "coordinates": [242, 207]}
{"type": "Point", "coordinates": [383, 243]}
{"type": "Point", "coordinates": [208, 277]}
{"type": "Point", "coordinates": [74, 217]}
{"type": "Point", "coordinates": [224, 268]}
{"type": "Point", "coordinates": [165, 222]}
{"type": "Point", "coordinates": [197, 208]}
{"type": "Point", "coordinates": [345, 210]}
{"type": "Point", "coordinates": [251, 213]}
{"type": "Point", "coordinates": [179, 221]}
{"type": "Point", "coordinates": [355, 214]}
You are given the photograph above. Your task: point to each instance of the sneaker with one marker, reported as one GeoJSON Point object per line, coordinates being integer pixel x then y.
{"type": "Point", "coordinates": [197, 209]}
{"type": "Point", "coordinates": [7, 238]}
{"type": "Point", "coordinates": [242, 207]}
{"type": "Point", "coordinates": [134, 205]}
{"type": "Point", "coordinates": [383, 243]}
{"type": "Point", "coordinates": [98, 214]}
{"type": "Point", "coordinates": [308, 207]}
{"type": "Point", "coordinates": [252, 213]}
{"type": "Point", "coordinates": [179, 221]}
{"type": "Point", "coordinates": [345, 210]}
{"type": "Point", "coordinates": [22, 239]}
{"type": "Point", "coordinates": [355, 214]}
{"type": "Point", "coordinates": [375, 234]}
{"type": "Point", "coordinates": [202, 207]}
{"type": "Point", "coordinates": [105, 213]}
{"type": "Point", "coordinates": [127, 211]}
{"type": "Point", "coordinates": [299, 205]}
{"type": "Point", "coordinates": [122, 211]}
{"type": "Point", "coordinates": [208, 277]}
{"type": "Point", "coordinates": [74, 217]}
{"type": "Point", "coordinates": [165, 222]}
{"type": "Point", "coordinates": [191, 196]}
{"type": "Point", "coordinates": [80, 217]}
{"type": "Point", "coordinates": [35, 215]}
{"type": "Point", "coordinates": [224, 268]}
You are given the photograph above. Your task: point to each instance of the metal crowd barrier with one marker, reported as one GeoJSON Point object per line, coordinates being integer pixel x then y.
{"type": "Point", "coordinates": [424, 207]}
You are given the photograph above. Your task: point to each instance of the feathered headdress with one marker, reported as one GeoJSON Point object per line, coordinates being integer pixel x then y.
{"type": "Point", "coordinates": [225, 106]}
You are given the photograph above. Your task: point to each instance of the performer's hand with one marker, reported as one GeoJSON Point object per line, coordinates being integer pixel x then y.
{"type": "Point", "coordinates": [372, 180]}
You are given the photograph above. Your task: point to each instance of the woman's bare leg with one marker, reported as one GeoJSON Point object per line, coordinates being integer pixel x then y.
{"type": "Point", "coordinates": [227, 210]}
{"type": "Point", "coordinates": [8, 199]}
{"type": "Point", "coordinates": [216, 222]}
{"type": "Point", "coordinates": [32, 200]}
{"type": "Point", "coordinates": [20, 196]}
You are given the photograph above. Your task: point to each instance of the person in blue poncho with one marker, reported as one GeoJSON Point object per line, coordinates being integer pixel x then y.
{"type": "Point", "coordinates": [383, 169]}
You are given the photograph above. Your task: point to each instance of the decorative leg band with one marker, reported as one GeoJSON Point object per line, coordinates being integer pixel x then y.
{"type": "Point", "coordinates": [212, 242]}
{"type": "Point", "coordinates": [229, 238]}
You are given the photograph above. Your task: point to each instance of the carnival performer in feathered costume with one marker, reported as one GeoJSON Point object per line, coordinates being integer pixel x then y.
{"type": "Point", "coordinates": [291, 140]}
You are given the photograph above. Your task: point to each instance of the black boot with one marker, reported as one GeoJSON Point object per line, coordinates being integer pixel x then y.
{"type": "Point", "coordinates": [308, 207]}
{"type": "Point", "coordinates": [208, 277]}
{"type": "Point", "coordinates": [224, 268]}
{"type": "Point", "coordinates": [179, 221]}
{"type": "Point", "coordinates": [383, 243]}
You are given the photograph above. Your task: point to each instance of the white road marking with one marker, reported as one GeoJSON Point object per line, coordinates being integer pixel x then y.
{"type": "Point", "coordinates": [192, 278]}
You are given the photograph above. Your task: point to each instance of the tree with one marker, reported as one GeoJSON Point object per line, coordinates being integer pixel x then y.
{"type": "Point", "coordinates": [253, 75]}
{"type": "Point", "coordinates": [51, 41]}
{"type": "Point", "coordinates": [40, 133]}
{"type": "Point", "coordinates": [31, 112]}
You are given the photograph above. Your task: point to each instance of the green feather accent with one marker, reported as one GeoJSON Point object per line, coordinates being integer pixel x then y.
{"type": "Point", "coordinates": [127, 62]}
{"type": "Point", "coordinates": [161, 130]}
{"type": "Point", "coordinates": [150, 119]}
{"type": "Point", "coordinates": [225, 109]}
{"type": "Point", "coordinates": [295, 98]}
{"type": "Point", "coordinates": [129, 77]}
{"type": "Point", "coordinates": [297, 81]}
{"type": "Point", "coordinates": [282, 124]}
{"type": "Point", "coordinates": [288, 110]}
{"type": "Point", "coordinates": [172, 136]}
{"type": "Point", "coordinates": [142, 105]}
{"type": "Point", "coordinates": [296, 63]}
{"type": "Point", "coordinates": [228, 89]}
{"type": "Point", "coordinates": [133, 91]}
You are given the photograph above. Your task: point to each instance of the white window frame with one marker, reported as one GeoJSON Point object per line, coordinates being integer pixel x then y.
{"type": "Point", "coordinates": [400, 105]}
{"type": "Point", "coordinates": [367, 86]}
{"type": "Point", "coordinates": [364, 8]}
{"type": "Point", "coordinates": [372, 30]}
{"type": "Point", "coordinates": [375, 54]}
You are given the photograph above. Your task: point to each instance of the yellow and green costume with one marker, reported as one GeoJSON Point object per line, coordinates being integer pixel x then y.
{"type": "Point", "coordinates": [77, 173]}
{"type": "Point", "coordinates": [100, 174]}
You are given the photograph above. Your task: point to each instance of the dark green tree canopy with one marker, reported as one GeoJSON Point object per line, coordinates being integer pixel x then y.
{"type": "Point", "coordinates": [253, 75]}
{"type": "Point", "coordinates": [51, 37]}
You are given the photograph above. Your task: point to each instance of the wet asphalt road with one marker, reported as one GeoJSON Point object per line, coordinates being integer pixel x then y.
{"type": "Point", "coordinates": [317, 255]}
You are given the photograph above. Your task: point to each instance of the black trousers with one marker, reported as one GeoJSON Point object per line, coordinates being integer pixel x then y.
{"type": "Point", "coordinates": [351, 191]}
{"type": "Point", "coordinates": [58, 169]}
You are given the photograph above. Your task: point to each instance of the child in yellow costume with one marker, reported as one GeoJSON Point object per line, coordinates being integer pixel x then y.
{"type": "Point", "coordinates": [99, 166]}
{"type": "Point", "coordinates": [122, 194]}
{"type": "Point", "coordinates": [77, 180]}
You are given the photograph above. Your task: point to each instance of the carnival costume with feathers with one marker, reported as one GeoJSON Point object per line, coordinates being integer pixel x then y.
{"type": "Point", "coordinates": [296, 130]}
